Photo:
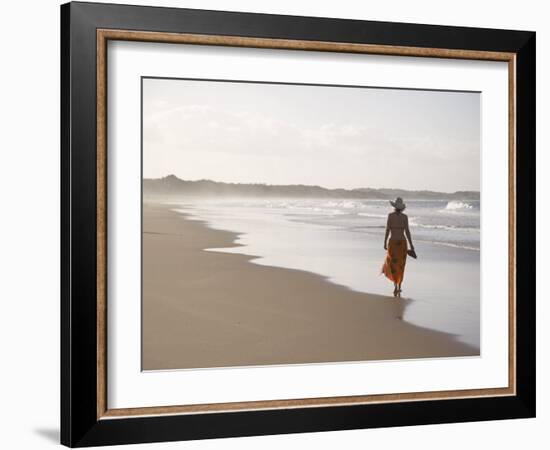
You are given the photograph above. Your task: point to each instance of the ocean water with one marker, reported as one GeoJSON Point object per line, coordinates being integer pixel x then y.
{"type": "Point", "coordinates": [342, 240]}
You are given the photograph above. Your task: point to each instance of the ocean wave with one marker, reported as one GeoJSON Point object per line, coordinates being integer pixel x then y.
{"type": "Point", "coordinates": [454, 205]}
{"type": "Point", "coordinates": [443, 227]}
{"type": "Point", "coordinates": [451, 244]}
{"type": "Point", "coordinates": [278, 205]}
{"type": "Point", "coordinates": [375, 216]}
{"type": "Point", "coordinates": [346, 204]}
{"type": "Point", "coordinates": [367, 227]}
{"type": "Point", "coordinates": [325, 211]}
{"type": "Point", "coordinates": [330, 208]}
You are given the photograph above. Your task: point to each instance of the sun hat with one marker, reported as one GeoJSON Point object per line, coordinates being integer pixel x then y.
{"type": "Point", "coordinates": [398, 203]}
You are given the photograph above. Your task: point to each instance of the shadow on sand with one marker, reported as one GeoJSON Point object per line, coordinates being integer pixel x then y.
{"type": "Point", "coordinates": [399, 305]}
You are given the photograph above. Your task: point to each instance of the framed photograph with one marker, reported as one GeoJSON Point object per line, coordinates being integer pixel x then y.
{"type": "Point", "coordinates": [278, 224]}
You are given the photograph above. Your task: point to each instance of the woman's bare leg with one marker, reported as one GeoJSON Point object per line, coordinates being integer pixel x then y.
{"type": "Point", "coordinates": [395, 289]}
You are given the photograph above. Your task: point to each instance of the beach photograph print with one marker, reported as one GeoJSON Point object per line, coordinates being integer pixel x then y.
{"type": "Point", "coordinates": [303, 224]}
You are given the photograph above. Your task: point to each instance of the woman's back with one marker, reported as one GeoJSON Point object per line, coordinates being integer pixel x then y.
{"type": "Point", "coordinates": [397, 224]}
{"type": "Point", "coordinates": [397, 229]}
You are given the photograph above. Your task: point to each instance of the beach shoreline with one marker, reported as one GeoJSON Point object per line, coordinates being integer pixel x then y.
{"type": "Point", "coordinates": [205, 309]}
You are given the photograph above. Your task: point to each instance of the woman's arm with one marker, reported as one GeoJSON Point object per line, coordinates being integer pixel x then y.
{"type": "Point", "coordinates": [408, 233]}
{"type": "Point", "coordinates": [387, 233]}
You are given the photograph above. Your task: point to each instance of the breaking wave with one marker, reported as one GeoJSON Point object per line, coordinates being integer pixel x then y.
{"type": "Point", "coordinates": [457, 205]}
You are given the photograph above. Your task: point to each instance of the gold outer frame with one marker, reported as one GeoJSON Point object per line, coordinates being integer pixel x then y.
{"type": "Point", "coordinates": [104, 35]}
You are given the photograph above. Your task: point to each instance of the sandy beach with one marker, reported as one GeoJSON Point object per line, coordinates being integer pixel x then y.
{"type": "Point", "coordinates": [206, 309]}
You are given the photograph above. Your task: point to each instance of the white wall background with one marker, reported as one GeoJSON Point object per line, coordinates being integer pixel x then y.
{"type": "Point", "coordinates": [29, 225]}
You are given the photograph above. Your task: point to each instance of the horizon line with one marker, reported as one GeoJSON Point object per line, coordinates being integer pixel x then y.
{"type": "Point", "coordinates": [311, 185]}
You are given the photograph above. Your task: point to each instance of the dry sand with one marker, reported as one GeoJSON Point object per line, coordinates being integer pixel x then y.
{"type": "Point", "coordinates": [208, 309]}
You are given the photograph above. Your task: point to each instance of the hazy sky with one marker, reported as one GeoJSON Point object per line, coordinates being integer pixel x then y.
{"type": "Point", "coordinates": [316, 135]}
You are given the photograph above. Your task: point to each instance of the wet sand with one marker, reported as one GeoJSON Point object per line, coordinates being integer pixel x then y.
{"type": "Point", "coordinates": [207, 309]}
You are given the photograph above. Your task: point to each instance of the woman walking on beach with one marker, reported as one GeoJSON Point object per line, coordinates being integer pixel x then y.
{"type": "Point", "coordinates": [397, 228]}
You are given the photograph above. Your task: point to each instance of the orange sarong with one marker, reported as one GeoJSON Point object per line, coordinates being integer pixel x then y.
{"type": "Point", "coordinates": [394, 266]}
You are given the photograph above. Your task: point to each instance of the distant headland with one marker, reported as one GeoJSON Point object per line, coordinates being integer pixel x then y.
{"type": "Point", "coordinates": [172, 186]}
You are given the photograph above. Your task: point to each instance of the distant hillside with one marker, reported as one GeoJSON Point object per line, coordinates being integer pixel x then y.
{"type": "Point", "coordinates": [172, 186]}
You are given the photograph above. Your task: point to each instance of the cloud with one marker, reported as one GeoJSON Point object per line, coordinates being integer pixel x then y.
{"type": "Point", "coordinates": [263, 138]}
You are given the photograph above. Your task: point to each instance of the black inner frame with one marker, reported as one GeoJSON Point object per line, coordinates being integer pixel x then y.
{"type": "Point", "coordinates": [79, 423]}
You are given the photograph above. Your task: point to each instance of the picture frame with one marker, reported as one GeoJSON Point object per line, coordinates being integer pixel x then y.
{"type": "Point", "coordinates": [86, 419]}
